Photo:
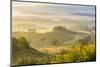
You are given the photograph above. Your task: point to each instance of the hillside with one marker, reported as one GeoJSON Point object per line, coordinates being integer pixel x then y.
{"type": "Point", "coordinates": [23, 54]}
{"type": "Point", "coordinates": [59, 35]}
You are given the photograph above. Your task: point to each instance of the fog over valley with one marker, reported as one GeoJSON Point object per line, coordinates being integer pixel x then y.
{"type": "Point", "coordinates": [44, 17]}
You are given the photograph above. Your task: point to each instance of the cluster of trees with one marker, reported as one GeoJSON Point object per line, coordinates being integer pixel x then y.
{"type": "Point", "coordinates": [60, 28]}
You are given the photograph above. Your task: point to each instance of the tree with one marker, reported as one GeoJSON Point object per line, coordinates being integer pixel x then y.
{"type": "Point", "coordinates": [60, 28]}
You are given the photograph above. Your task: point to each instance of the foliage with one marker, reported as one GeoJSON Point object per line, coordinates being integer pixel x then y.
{"type": "Point", "coordinates": [60, 28]}
{"type": "Point", "coordinates": [22, 54]}
{"type": "Point", "coordinates": [76, 54]}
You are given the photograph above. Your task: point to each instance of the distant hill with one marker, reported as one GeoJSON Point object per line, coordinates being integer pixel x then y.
{"type": "Point", "coordinates": [60, 35]}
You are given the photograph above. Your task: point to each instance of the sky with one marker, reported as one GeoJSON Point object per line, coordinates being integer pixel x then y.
{"type": "Point", "coordinates": [43, 16]}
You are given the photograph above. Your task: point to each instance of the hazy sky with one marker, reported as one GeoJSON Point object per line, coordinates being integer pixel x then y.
{"type": "Point", "coordinates": [43, 15]}
{"type": "Point", "coordinates": [21, 8]}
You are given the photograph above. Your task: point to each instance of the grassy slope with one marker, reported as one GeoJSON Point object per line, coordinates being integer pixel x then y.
{"type": "Point", "coordinates": [23, 54]}
{"type": "Point", "coordinates": [38, 40]}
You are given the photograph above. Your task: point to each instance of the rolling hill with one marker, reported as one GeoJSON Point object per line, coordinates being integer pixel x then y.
{"type": "Point", "coordinates": [59, 35]}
